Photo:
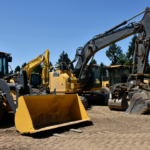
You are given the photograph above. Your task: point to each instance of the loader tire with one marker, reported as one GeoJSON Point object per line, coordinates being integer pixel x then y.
{"type": "Point", "coordinates": [1, 110]}
{"type": "Point", "coordinates": [36, 91]}
{"type": "Point", "coordinates": [84, 101]}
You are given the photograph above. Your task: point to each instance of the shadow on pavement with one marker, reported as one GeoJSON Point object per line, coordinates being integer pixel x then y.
{"type": "Point", "coordinates": [8, 120]}
{"type": "Point", "coordinates": [61, 130]}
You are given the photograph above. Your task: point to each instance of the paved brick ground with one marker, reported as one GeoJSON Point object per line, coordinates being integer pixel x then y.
{"type": "Point", "coordinates": [110, 130]}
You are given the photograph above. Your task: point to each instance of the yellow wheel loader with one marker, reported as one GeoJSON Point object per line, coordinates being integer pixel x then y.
{"type": "Point", "coordinates": [35, 113]}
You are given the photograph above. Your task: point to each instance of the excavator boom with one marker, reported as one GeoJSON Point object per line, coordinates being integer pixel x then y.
{"type": "Point", "coordinates": [45, 69]}
{"type": "Point", "coordinates": [135, 89]}
{"type": "Point", "coordinates": [32, 64]}
{"type": "Point", "coordinates": [101, 41]}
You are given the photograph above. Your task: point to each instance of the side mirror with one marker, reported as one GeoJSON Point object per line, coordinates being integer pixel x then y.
{"type": "Point", "coordinates": [9, 59]}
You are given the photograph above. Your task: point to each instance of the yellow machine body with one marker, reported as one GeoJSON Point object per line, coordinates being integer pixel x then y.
{"type": "Point", "coordinates": [58, 81]}
{"type": "Point", "coordinates": [44, 112]}
{"type": "Point", "coordinates": [105, 83]}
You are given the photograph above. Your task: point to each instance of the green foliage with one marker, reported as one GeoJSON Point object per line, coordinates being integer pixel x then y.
{"type": "Point", "coordinates": [23, 65]}
{"type": "Point", "coordinates": [64, 58]}
{"type": "Point", "coordinates": [50, 64]}
{"type": "Point", "coordinates": [130, 52]}
{"type": "Point", "coordinates": [113, 53]}
{"type": "Point", "coordinates": [122, 60]}
{"type": "Point", "coordinates": [103, 69]}
{"type": "Point", "coordinates": [11, 72]}
{"type": "Point", "coordinates": [17, 69]}
{"type": "Point", "coordinates": [37, 69]}
{"type": "Point", "coordinates": [94, 61]}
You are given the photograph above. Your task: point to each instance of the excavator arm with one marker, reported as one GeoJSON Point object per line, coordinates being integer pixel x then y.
{"type": "Point", "coordinates": [35, 62]}
{"type": "Point", "coordinates": [111, 36]}
{"type": "Point", "coordinates": [45, 69]}
{"type": "Point", "coordinates": [32, 64]}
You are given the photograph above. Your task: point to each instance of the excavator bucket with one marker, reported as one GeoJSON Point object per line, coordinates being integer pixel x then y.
{"type": "Point", "coordinates": [44, 112]}
{"type": "Point", "coordinates": [118, 104]}
{"type": "Point", "coordinates": [139, 104]}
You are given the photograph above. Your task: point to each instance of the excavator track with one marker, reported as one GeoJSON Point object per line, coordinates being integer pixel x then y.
{"type": "Point", "coordinates": [1, 110]}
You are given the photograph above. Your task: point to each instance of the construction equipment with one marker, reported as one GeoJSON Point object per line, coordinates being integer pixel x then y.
{"type": "Point", "coordinates": [77, 81]}
{"type": "Point", "coordinates": [115, 74]}
{"type": "Point", "coordinates": [35, 78]}
{"type": "Point", "coordinates": [64, 81]}
{"type": "Point", "coordinates": [35, 113]}
{"type": "Point", "coordinates": [133, 96]}
{"type": "Point", "coordinates": [39, 87]}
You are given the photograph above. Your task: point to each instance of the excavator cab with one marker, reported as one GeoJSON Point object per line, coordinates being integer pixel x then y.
{"type": "Point", "coordinates": [92, 76]}
{"type": "Point", "coordinates": [35, 80]}
{"type": "Point", "coordinates": [118, 74]}
{"type": "Point", "coordinates": [4, 59]}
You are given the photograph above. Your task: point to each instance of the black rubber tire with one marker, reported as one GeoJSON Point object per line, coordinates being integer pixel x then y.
{"type": "Point", "coordinates": [84, 101]}
{"type": "Point", "coordinates": [1, 110]}
{"type": "Point", "coordinates": [105, 90]}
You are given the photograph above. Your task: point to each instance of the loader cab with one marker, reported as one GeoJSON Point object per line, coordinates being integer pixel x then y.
{"type": "Point", "coordinates": [35, 80]}
{"type": "Point", "coordinates": [4, 59]}
{"type": "Point", "coordinates": [118, 74]}
{"type": "Point", "coordinates": [92, 76]}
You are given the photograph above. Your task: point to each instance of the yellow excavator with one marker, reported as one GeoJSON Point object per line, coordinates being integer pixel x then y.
{"type": "Point", "coordinates": [65, 82]}
{"type": "Point", "coordinates": [39, 87]}
{"type": "Point", "coordinates": [35, 113]}
{"type": "Point", "coordinates": [35, 78]}
{"type": "Point", "coordinates": [96, 84]}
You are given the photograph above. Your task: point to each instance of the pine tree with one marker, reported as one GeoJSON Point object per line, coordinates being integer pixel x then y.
{"type": "Point", "coordinates": [37, 69]}
{"type": "Point", "coordinates": [130, 52]}
{"type": "Point", "coordinates": [23, 65]}
{"type": "Point", "coordinates": [94, 61]}
{"type": "Point", "coordinates": [50, 65]}
{"type": "Point", "coordinates": [103, 69]}
{"type": "Point", "coordinates": [17, 69]}
{"type": "Point", "coordinates": [64, 58]}
{"type": "Point", "coordinates": [11, 72]}
{"type": "Point", "coordinates": [122, 60]}
{"type": "Point", "coordinates": [113, 53]}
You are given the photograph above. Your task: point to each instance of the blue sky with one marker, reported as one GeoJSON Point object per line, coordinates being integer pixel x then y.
{"type": "Point", "coordinates": [29, 27]}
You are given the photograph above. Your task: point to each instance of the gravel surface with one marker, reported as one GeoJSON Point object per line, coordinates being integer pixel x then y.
{"type": "Point", "coordinates": [108, 130]}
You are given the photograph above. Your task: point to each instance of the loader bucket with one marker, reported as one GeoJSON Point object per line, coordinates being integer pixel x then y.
{"type": "Point", "coordinates": [44, 112]}
{"type": "Point", "coordinates": [139, 104]}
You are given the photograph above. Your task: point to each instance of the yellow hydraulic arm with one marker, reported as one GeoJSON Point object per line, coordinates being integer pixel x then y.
{"type": "Point", "coordinates": [35, 62]}
{"type": "Point", "coordinates": [45, 72]}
